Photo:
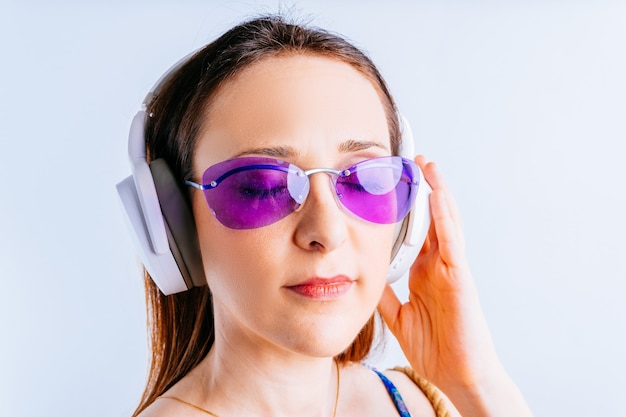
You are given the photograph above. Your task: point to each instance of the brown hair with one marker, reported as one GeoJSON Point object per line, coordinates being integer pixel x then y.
{"type": "Point", "coordinates": [181, 325]}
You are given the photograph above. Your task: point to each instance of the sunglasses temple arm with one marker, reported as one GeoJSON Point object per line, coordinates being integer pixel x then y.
{"type": "Point", "coordinates": [197, 186]}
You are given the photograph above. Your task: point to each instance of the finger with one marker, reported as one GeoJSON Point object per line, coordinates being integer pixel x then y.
{"type": "Point", "coordinates": [432, 230]}
{"type": "Point", "coordinates": [431, 238]}
{"type": "Point", "coordinates": [389, 308]}
{"type": "Point", "coordinates": [448, 236]}
{"type": "Point", "coordinates": [421, 161]}
{"type": "Point", "coordinates": [435, 179]}
{"type": "Point", "coordinates": [431, 173]}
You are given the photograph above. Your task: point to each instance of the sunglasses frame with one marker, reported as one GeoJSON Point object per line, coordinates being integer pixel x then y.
{"type": "Point", "coordinates": [334, 174]}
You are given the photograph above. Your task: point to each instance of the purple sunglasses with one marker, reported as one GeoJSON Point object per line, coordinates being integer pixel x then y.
{"type": "Point", "coordinates": [251, 192]}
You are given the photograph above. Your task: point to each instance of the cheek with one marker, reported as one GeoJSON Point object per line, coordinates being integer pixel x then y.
{"type": "Point", "coordinates": [234, 260]}
{"type": "Point", "coordinates": [374, 252]}
{"type": "Point", "coordinates": [372, 255]}
{"type": "Point", "coordinates": [245, 269]}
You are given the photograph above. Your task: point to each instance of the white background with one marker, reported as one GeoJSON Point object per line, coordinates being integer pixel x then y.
{"type": "Point", "coordinates": [522, 103]}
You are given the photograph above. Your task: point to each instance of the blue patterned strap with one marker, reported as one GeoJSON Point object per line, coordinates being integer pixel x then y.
{"type": "Point", "coordinates": [394, 394]}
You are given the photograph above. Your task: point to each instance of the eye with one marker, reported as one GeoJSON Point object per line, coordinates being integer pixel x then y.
{"type": "Point", "coordinates": [371, 187]}
{"type": "Point", "coordinates": [260, 184]}
{"type": "Point", "coordinates": [371, 181]}
{"type": "Point", "coordinates": [253, 192]}
{"type": "Point", "coordinates": [351, 184]}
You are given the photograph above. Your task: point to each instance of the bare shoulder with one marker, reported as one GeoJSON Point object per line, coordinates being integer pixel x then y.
{"type": "Point", "coordinates": [367, 395]}
{"type": "Point", "coordinates": [415, 398]}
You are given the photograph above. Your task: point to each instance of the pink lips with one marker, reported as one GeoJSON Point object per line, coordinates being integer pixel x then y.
{"type": "Point", "coordinates": [323, 289]}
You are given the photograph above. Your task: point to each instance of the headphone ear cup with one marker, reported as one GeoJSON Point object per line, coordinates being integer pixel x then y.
{"type": "Point", "coordinates": [180, 266]}
{"type": "Point", "coordinates": [412, 231]}
{"type": "Point", "coordinates": [180, 225]}
{"type": "Point", "coordinates": [161, 266]}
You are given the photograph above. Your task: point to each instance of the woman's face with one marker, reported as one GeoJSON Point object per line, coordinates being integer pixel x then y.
{"type": "Point", "coordinates": [308, 283]}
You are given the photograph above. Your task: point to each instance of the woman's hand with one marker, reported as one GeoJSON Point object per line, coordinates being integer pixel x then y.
{"type": "Point", "coordinates": [441, 328]}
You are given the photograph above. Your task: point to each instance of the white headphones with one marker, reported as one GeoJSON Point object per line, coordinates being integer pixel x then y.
{"type": "Point", "coordinates": [164, 232]}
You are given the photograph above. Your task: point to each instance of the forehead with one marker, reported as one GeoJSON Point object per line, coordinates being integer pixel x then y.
{"type": "Point", "coordinates": [310, 103]}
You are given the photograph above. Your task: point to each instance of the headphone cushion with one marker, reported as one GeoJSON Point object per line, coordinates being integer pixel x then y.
{"type": "Point", "coordinates": [180, 224]}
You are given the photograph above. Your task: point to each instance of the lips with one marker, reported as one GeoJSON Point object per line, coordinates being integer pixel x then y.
{"type": "Point", "coordinates": [323, 289]}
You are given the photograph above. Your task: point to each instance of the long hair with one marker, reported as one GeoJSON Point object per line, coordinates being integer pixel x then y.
{"type": "Point", "coordinates": [181, 325]}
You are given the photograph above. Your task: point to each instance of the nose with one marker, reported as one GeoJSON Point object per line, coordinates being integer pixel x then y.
{"type": "Point", "coordinates": [322, 225]}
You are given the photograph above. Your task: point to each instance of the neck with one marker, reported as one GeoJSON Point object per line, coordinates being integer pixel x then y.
{"type": "Point", "coordinates": [273, 383]}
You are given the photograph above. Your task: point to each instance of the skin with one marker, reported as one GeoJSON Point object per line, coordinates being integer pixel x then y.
{"type": "Point", "coordinates": [322, 106]}
{"type": "Point", "coordinates": [273, 346]}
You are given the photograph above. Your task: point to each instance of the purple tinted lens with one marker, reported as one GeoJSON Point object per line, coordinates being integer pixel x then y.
{"type": "Point", "coordinates": [379, 190]}
{"type": "Point", "coordinates": [247, 193]}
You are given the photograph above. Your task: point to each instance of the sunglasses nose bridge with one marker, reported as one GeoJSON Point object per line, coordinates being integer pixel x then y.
{"type": "Point", "coordinates": [333, 174]}
{"type": "Point", "coordinates": [299, 183]}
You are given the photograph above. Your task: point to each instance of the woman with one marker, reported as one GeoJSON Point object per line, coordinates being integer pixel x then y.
{"type": "Point", "coordinates": [288, 313]}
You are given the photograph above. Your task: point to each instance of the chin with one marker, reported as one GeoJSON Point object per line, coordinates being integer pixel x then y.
{"type": "Point", "coordinates": [324, 340]}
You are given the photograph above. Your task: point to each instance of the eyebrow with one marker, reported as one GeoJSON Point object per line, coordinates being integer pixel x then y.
{"type": "Point", "coordinates": [275, 151]}
{"type": "Point", "coordinates": [355, 145]}
{"type": "Point", "coordinates": [289, 151]}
